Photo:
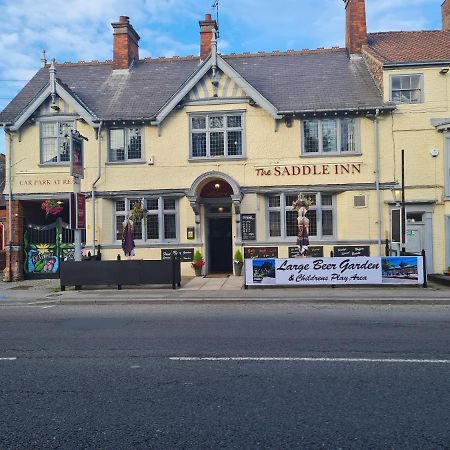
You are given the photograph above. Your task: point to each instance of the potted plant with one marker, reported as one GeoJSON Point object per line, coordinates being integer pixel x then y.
{"type": "Point", "coordinates": [198, 263]}
{"type": "Point", "coordinates": [238, 261]}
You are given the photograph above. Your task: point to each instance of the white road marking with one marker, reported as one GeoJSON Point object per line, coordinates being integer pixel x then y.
{"type": "Point", "coordinates": [46, 307]}
{"type": "Point", "coordinates": [351, 360]}
{"type": "Point", "coordinates": [8, 359]}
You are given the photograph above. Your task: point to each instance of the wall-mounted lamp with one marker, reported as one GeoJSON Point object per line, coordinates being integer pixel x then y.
{"type": "Point", "coordinates": [220, 209]}
{"type": "Point", "coordinates": [444, 70]}
{"type": "Point", "coordinates": [217, 186]}
{"type": "Point", "coordinates": [288, 121]}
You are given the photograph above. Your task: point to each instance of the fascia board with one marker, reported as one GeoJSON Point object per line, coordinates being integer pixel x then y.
{"type": "Point", "coordinates": [247, 87]}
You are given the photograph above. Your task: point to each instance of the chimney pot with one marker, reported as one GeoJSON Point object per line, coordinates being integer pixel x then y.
{"type": "Point", "coordinates": [207, 16]}
{"type": "Point", "coordinates": [124, 19]}
{"type": "Point", "coordinates": [355, 25]}
{"type": "Point", "coordinates": [445, 10]}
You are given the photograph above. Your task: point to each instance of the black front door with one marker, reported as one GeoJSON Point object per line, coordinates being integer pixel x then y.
{"type": "Point", "coordinates": [220, 245]}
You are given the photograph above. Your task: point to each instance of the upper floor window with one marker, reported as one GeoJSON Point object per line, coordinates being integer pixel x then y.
{"type": "Point", "coordinates": [125, 144]}
{"type": "Point", "coordinates": [330, 136]}
{"type": "Point", "coordinates": [216, 135]}
{"type": "Point", "coordinates": [406, 88]}
{"type": "Point", "coordinates": [160, 224]}
{"type": "Point", "coordinates": [282, 218]}
{"type": "Point", "coordinates": [55, 141]}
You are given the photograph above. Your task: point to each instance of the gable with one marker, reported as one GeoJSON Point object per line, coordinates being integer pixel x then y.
{"type": "Point", "coordinates": [45, 108]}
{"type": "Point", "coordinates": [224, 87]}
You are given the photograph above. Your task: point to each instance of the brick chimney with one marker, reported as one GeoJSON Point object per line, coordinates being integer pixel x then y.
{"type": "Point", "coordinates": [355, 25]}
{"type": "Point", "coordinates": [445, 8]}
{"type": "Point", "coordinates": [206, 34]}
{"type": "Point", "coordinates": [125, 44]}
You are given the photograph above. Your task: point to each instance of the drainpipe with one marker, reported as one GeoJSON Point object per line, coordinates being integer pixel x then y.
{"type": "Point", "coordinates": [10, 199]}
{"type": "Point", "coordinates": [99, 138]}
{"type": "Point", "coordinates": [377, 179]}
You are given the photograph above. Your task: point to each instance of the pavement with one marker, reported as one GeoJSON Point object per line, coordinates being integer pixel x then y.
{"type": "Point", "coordinates": [212, 290]}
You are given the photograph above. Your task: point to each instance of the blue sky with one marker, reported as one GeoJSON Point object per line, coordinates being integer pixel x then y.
{"type": "Point", "coordinates": [74, 30]}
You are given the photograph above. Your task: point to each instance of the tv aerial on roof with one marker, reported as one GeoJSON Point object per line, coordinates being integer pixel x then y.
{"type": "Point", "coordinates": [215, 5]}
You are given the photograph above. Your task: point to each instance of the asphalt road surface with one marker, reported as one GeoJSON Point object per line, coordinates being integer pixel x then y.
{"type": "Point", "coordinates": [244, 376]}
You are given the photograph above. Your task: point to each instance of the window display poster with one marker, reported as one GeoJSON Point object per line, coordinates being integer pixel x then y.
{"type": "Point", "coordinates": [406, 270]}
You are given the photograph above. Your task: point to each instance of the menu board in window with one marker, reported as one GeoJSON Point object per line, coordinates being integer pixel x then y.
{"type": "Point", "coordinates": [248, 225]}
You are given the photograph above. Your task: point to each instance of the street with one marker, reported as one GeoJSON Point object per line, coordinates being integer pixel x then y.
{"type": "Point", "coordinates": [235, 375]}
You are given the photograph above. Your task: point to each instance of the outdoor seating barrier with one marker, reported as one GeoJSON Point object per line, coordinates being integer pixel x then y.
{"type": "Point", "coordinates": [120, 272]}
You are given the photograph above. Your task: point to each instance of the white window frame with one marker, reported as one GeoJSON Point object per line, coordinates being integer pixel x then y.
{"type": "Point", "coordinates": [338, 151]}
{"type": "Point", "coordinates": [318, 207]}
{"type": "Point", "coordinates": [209, 130]}
{"type": "Point", "coordinates": [421, 88]}
{"type": "Point", "coordinates": [160, 212]}
{"type": "Point", "coordinates": [54, 120]}
{"type": "Point", "coordinates": [125, 130]}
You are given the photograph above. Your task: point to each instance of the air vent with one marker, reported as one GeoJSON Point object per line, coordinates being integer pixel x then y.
{"type": "Point", "coordinates": [359, 201]}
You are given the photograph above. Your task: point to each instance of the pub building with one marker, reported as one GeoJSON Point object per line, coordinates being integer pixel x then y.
{"type": "Point", "coordinates": [215, 148]}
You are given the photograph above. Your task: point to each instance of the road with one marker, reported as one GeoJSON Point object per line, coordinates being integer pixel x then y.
{"type": "Point", "coordinates": [225, 376]}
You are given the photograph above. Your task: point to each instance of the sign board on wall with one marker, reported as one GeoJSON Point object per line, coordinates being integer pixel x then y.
{"type": "Point", "coordinates": [406, 270]}
{"type": "Point", "coordinates": [260, 252]}
{"type": "Point", "coordinates": [185, 254]}
{"type": "Point", "coordinates": [248, 226]}
{"type": "Point", "coordinates": [313, 252]}
{"type": "Point", "coordinates": [352, 251]}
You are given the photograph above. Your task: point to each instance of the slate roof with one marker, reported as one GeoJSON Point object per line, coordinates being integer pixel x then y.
{"type": "Point", "coordinates": [291, 81]}
{"type": "Point", "coordinates": [410, 46]}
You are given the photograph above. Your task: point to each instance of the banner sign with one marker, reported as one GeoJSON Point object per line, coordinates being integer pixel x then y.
{"type": "Point", "coordinates": [77, 211]}
{"type": "Point", "coordinates": [329, 271]}
{"type": "Point", "coordinates": [76, 156]}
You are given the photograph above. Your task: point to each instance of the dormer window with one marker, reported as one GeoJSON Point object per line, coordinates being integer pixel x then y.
{"type": "Point", "coordinates": [407, 88]}
{"type": "Point", "coordinates": [55, 141]}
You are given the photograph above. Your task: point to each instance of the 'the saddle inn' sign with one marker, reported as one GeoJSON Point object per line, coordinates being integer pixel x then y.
{"type": "Point", "coordinates": [309, 169]}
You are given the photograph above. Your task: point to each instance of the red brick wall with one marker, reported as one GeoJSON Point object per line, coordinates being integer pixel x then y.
{"type": "Point", "coordinates": [14, 256]}
{"type": "Point", "coordinates": [446, 15]}
{"type": "Point", "coordinates": [206, 33]}
{"type": "Point", "coordinates": [355, 25]}
{"type": "Point", "coordinates": [376, 69]}
{"type": "Point", "coordinates": [125, 44]}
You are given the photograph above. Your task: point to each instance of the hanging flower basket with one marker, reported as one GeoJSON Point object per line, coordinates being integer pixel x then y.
{"type": "Point", "coordinates": [52, 207]}
{"type": "Point", "coordinates": [137, 212]}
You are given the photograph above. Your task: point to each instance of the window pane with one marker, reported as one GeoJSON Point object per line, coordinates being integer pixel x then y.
{"type": "Point", "coordinates": [169, 226]}
{"type": "Point", "coordinates": [327, 223]}
{"type": "Point", "coordinates": [312, 216]}
{"type": "Point", "coordinates": [120, 205]}
{"type": "Point", "coordinates": [415, 82]}
{"type": "Point", "coordinates": [49, 129]}
{"type": "Point", "coordinates": [289, 199]}
{"type": "Point", "coordinates": [169, 203]}
{"type": "Point", "coordinates": [327, 200]}
{"type": "Point", "coordinates": [234, 143]}
{"type": "Point", "coordinates": [329, 135]}
{"type": "Point", "coordinates": [137, 229]}
{"type": "Point", "coordinates": [216, 144]}
{"type": "Point", "coordinates": [274, 201]}
{"type": "Point", "coordinates": [348, 135]}
{"type": "Point", "coordinates": [50, 150]}
{"type": "Point", "coordinates": [198, 123]}
{"type": "Point", "coordinates": [274, 224]}
{"type": "Point", "coordinates": [116, 145]}
{"type": "Point", "coordinates": [312, 199]}
{"type": "Point", "coordinates": [234, 121]}
{"type": "Point", "coordinates": [152, 226]}
{"type": "Point", "coordinates": [406, 82]}
{"type": "Point", "coordinates": [415, 96]}
{"type": "Point", "coordinates": [152, 204]}
{"type": "Point", "coordinates": [311, 136]}
{"type": "Point", "coordinates": [396, 96]}
{"type": "Point", "coordinates": [216, 122]}
{"type": "Point", "coordinates": [291, 223]}
{"type": "Point", "coordinates": [134, 143]}
{"type": "Point", "coordinates": [119, 227]}
{"type": "Point", "coordinates": [198, 144]}
{"type": "Point", "coordinates": [396, 83]}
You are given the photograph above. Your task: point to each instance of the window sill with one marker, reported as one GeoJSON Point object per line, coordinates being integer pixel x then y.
{"type": "Point", "coordinates": [119, 163]}
{"type": "Point", "coordinates": [326, 155]}
{"type": "Point", "coordinates": [221, 158]}
{"type": "Point", "coordinates": [52, 164]}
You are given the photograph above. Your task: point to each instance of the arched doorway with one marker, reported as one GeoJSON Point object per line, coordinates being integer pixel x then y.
{"type": "Point", "coordinates": [216, 198]}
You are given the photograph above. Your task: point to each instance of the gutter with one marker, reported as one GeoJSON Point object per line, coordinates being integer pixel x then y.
{"type": "Point", "coordinates": [377, 176]}
{"type": "Point", "coordinates": [99, 174]}
{"type": "Point", "coordinates": [350, 110]}
{"type": "Point", "coordinates": [394, 65]}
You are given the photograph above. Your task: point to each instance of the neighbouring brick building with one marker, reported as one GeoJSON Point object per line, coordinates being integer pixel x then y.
{"type": "Point", "coordinates": [216, 147]}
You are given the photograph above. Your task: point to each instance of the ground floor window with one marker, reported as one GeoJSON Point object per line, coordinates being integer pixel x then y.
{"type": "Point", "coordinates": [282, 218]}
{"type": "Point", "coordinates": [159, 223]}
